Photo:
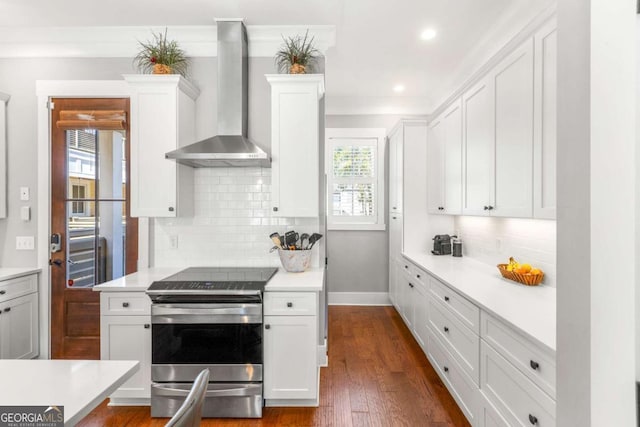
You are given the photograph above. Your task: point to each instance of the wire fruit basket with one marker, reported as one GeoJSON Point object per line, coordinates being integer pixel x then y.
{"type": "Point", "coordinates": [526, 279]}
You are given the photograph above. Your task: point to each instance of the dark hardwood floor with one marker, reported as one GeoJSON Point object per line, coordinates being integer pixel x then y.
{"type": "Point", "coordinates": [377, 376]}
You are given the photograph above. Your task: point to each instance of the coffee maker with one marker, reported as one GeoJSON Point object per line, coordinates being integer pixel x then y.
{"type": "Point", "coordinates": [442, 244]}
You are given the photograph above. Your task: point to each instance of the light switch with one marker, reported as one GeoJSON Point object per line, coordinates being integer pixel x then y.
{"type": "Point", "coordinates": [25, 243]}
{"type": "Point", "coordinates": [25, 213]}
{"type": "Point", "coordinates": [24, 193]}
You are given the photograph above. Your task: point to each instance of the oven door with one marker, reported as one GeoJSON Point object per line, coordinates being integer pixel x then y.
{"type": "Point", "coordinates": [206, 334]}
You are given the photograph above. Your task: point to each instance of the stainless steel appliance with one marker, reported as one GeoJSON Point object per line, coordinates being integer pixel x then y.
{"type": "Point", "coordinates": [208, 318]}
{"type": "Point", "coordinates": [442, 244]}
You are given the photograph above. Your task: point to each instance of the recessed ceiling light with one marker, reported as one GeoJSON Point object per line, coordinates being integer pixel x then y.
{"type": "Point", "coordinates": [428, 34]}
{"type": "Point", "coordinates": [398, 88]}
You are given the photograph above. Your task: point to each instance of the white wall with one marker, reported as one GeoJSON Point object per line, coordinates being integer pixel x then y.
{"type": "Point", "coordinates": [493, 240]}
{"type": "Point", "coordinates": [596, 199]}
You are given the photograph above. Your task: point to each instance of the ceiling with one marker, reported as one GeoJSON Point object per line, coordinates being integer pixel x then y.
{"type": "Point", "coordinates": [377, 46]}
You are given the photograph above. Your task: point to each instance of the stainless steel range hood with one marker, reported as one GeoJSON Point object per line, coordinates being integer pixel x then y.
{"type": "Point", "coordinates": [230, 147]}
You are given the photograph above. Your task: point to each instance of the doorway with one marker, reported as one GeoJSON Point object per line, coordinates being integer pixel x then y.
{"type": "Point", "coordinates": [94, 239]}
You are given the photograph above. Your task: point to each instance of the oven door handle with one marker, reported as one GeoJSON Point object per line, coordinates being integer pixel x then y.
{"type": "Point", "coordinates": [236, 390]}
{"type": "Point", "coordinates": [207, 309]}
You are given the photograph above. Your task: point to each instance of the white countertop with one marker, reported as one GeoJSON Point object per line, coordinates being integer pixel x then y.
{"type": "Point", "coordinates": [12, 273]}
{"type": "Point", "coordinates": [311, 280]}
{"type": "Point", "coordinates": [532, 309]}
{"type": "Point", "coordinates": [78, 385]}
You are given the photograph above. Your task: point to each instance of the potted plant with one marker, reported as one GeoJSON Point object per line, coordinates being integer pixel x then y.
{"type": "Point", "coordinates": [298, 55]}
{"type": "Point", "coordinates": [161, 56]}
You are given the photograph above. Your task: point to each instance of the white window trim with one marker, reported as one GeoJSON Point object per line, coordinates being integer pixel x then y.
{"type": "Point", "coordinates": [332, 134]}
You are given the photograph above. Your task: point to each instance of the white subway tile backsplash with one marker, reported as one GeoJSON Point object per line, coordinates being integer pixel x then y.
{"type": "Point", "coordinates": [494, 240]}
{"type": "Point", "coordinates": [231, 225]}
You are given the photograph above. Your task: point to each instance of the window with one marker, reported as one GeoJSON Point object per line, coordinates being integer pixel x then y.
{"type": "Point", "coordinates": [78, 192]}
{"type": "Point", "coordinates": [354, 164]}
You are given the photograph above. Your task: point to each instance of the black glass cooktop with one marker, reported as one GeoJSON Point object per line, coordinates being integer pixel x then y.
{"type": "Point", "coordinates": [216, 279]}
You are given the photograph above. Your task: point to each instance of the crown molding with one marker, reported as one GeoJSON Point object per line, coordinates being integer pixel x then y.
{"type": "Point", "coordinates": [122, 42]}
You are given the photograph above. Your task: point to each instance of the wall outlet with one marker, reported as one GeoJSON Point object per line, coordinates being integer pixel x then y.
{"type": "Point", "coordinates": [25, 243]}
{"type": "Point", "coordinates": [24, 194]}
{"type": "Point", "coordinates": [173, 241]}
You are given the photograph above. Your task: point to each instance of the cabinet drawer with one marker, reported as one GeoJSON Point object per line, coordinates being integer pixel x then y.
{"type": "Point", "coordinates": [290, 303]}
{"type": "Point", "coordinates": [488, 416]}
{"type": "Point", "coordinates": [517, 398]}
{"type": "Point", "coordinates": [18, 286]}
{"type": "Point", "coordinates": [463, 390]}
{"type": "Point", "coordinates": [407, 267]}
{"type": "Point", "coordinates": [129, 303]}
{"type": "Point", "coordinates": [462, 342]}
{"type": "Point", "coordinates": [464, 309]}
{"type": "Point", "coordinates": [537, 364]}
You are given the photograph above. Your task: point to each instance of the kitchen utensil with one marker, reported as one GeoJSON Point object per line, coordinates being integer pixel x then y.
{"type": "Point", "coordinates": [313, 239]}
{"type": "Point", "coordinates": [457, 248]}
{"type": "Point", "coordinates": [276, 239]}
{"type": "Point", "coordinates": [303, 237]}
{"type": "Point", "coordinates": [290, 238]}
{"type": "Point", "coordinates": [275, 248]}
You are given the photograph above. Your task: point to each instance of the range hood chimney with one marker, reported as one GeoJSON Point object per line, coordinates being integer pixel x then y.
{"type": "Point", "coordinates": [230, 147]}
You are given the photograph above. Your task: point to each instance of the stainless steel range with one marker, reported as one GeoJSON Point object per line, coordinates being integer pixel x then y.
{"type": "Point", "coordinates": [206, 317]}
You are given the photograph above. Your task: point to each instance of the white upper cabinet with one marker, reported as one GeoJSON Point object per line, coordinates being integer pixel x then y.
{"type": "Point", "coordinates": [498, 139]}
{"type": "Point", "coordinates": [544, 131]}
{"type": "Point", "coordinates": [513, 83]}
{"type": "Point", "coordinates": [295, 146]}
{"type": "Point", "coordinates": [396, 170]}
{"type": "Point", "coordinates": [3, 153]}
{"type": "Point", "coordinates": [444, 161]}
{"type": "Point", "coordinates": [162, 120]}
{"type": "Point", "coordinates": [478, 150]}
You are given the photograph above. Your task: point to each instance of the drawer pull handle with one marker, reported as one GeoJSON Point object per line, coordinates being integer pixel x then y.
{"type": "Point", "coordinates": [406, 266]}
{"type": "Point", "coordinates": [267, 326]}
{"type": "Point", "coordinates": [289, 304]}
{"type": "Point", "coordinates": [446, 329]}
{"type": "Point", "coordinates": [147, 326]}
{"type": "Point", "coordinates": [534, 365]}
{"type": "Point", "coordinates": [533, 420]}
{"type": "Point", "coordinates": [417, 275]}
{"type": "Point", "coordinates": [446, 369]}
{"type": "Point", "coordinates": [125, 304]}
{"type": "Point", "coordinates": [446, 299]}
{"type": "Point", "coordinates": [8, 309]}
{"type": "Point", "coordinates": [411, 285]}
{"type": "Point", "coordinates": [2, 292]}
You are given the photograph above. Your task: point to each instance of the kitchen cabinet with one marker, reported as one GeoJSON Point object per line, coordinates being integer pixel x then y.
{"type": "Point", "coordinates": [4, 98]}
{"type": "Point", "coordinates": [498, 142]}
{"type": "Point", "coordinates": [162, 120]}
{"type": "Point", "coordinates": [396, 170]}
{"type": "Point", "coordinates": [290, 348]}
{"type": "Point", "coordinates": [544, 117]}
{"type": "Point", "coordinates": [395, 254]}
{"type": "Point", "coordinates": [19, 318]}
{"type": "Point", "coordinates": [125, 334]}
{"type": "Point", "coordinates": [296, 129]}
{"type": "Point", "coordinates": [444, 161]}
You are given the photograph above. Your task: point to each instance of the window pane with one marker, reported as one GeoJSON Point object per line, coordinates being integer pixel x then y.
{"type": "Point", "coordinates": [353, 200]}
{"type": "Point", "coordinates": [81, 235]}
{"type": "Point", "coordinates": [353, 161]}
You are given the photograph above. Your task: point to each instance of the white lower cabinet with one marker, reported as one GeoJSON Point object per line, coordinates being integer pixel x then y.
{"type": "Point", "coordinates": [516, 398]}
{"type": "Point", "coordinates": [125, 334]}
{"type": "Point", "coordinates": [290, 347]}
{"type": "Point", "coordinates": [19, 317]}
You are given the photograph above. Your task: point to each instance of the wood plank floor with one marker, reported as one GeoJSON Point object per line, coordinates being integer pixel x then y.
{"type": "Point", "coordinates": [377, 376]}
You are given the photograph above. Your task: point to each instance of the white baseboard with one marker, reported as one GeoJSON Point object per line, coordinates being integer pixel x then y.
{"type": "Point", "coordinates": [359, 298]}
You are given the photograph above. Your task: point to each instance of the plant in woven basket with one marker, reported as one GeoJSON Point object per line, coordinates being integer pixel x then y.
{"type": "Point", "coordinates": [298, 55]}
{"type": "Point", "coordinates": [161, 56]}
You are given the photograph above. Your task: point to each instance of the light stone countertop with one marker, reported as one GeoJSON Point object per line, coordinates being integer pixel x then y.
{"type": "Point", "coordinates": [531, 309]}
{"type": "Point", "coordinates": [12, 273]}
{"type": "Point", "coordinates": [311, 280]}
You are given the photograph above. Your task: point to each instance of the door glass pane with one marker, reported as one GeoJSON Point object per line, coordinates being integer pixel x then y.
{"type": "Point", "coordinates": [111, 164]}
{"type": "Point", "coordinates": [81, 238]}
{"type": "Point", "coordinates": [81, 155]}
{"type": "Point", "coordinates": [113, 233]}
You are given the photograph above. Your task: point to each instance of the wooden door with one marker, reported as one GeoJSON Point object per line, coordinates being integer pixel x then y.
{"type": "Point", "coordinates": [90, 213]}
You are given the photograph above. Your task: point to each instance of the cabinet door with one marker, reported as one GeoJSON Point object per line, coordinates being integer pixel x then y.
{"type": "Point", "coordinates": [544, 130]}
{"type": "Point", "coordinates": [420, 314]}
{"type": "Point", "coordinates": [294, 149]}
{"type": "Point", "coordinates": [395, 175]}
{"type": "Point", "coordinates": [290, 365]}
{"type": "Point", "coordinates": [19, 328]}
{"type": "Point", "coordinates": [513, 82]}
{"type": "Point", "coordinates": [128, 338]}
{"type": "Point", "coordinates": [395, 236]}
{"type": "Point", "coordinates": [435, 167]}
{"type": "Point", "coordinates": [452, 125]}
{"type": "Point", "coordinates": [405, 294]}
{"type": "Point", "coordinates": [3, 155]}
{"type": "Point", "coordinates": [478, 148]}
{"type": "Point", "coordinates": [393, 281]}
